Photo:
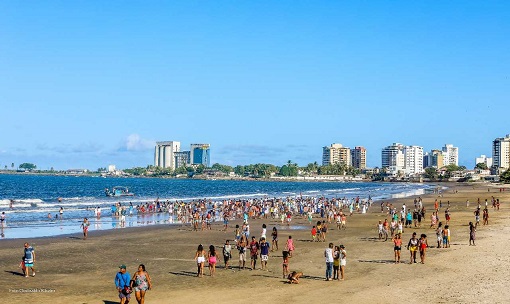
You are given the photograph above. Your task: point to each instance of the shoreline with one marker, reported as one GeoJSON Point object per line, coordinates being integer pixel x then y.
{"type": "Point", "coordinates": [460, 274]}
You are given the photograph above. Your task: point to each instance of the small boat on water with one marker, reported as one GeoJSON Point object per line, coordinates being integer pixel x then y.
{"type": "Point", "coordinates": [118, 191]}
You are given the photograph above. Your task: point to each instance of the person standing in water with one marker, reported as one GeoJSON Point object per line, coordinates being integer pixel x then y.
{"type": "Point", "coordinates": [85, 226]}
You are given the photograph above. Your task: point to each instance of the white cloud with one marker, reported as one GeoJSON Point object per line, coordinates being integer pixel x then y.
{"type": "Point", "coordinates": [136, 143]}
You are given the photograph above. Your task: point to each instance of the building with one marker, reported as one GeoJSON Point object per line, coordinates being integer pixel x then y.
{"type": "Point", "coordinates": [182, 159]}
{"type": "Point", "coordinates": [501, 154]}
{"type": "Point", "coordinates": [200, 154]}
{"type": "Point", "coordinates": [450, 155]}
{"type": "Point", "coordinates": [164, 154]}
{"type": "Point", "coordinates": [413, 163]}
{"type": "Point", "coordinates": [111, 168]}
{"type": "Point", "coordinates": [433, 159]}
{"type": "Point", "coordinates": [336, 154]}
{"type": "Point", "coordinates": [359, 158]}
{"type": "Point", "coordinates": [484, 160]}
{"type": "Point", "coordinates": [392, 158]}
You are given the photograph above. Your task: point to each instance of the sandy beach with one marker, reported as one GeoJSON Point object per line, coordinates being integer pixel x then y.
{"type": "Point", "coordinates": [72, 270]}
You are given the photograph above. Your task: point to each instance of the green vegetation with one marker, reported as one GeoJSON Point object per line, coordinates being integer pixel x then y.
{"type": "Point", "coordinates": [481, 166]}
{"type": "Point", "coordinates": [505, 176]}
{"type": "Point", "coordinates": [27, 166]}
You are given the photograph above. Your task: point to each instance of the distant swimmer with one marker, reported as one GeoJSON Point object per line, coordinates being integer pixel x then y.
{"type": "Point", "coordinates": [59, 199]}
{"type": "Point", "coordinates": [10, 203]}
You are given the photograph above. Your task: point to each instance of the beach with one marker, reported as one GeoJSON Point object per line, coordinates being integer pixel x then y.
{"type": "Point", "coordinates": [73, 270]}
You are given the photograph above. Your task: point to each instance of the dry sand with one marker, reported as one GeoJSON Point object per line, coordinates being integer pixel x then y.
{"type": "Point", "coordinates": [73, 270]}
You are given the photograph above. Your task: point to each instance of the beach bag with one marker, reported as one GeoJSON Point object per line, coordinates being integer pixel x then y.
{"type": "Point", "coordinates": [127, 290]}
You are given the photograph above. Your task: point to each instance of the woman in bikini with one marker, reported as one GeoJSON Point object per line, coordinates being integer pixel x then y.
{"type": "Point", "coordinates": [397, 241]}
{"type": "Point", "coordinates": [413, 247]}
{"type": "Point", "coordinates": [211, 257]}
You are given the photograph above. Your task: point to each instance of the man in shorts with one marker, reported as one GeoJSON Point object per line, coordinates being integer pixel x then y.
{"type": "Point", "coordinates": [122, 283]}
{"type": "Point", "coordinates": [264, 253]}
{"type": "Point", "coordinates": [254, 252]}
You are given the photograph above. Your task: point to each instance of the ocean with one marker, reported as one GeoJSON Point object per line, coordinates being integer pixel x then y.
{"type": "Point", "coordinates": [36, 196]}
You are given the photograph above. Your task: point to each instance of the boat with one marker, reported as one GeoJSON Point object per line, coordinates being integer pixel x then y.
{"type": "Point", "coordinates": [118, 191]}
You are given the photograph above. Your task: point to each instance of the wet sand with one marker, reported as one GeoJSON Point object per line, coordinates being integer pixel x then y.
{"type": "Point", "coordinates": [72, 270]}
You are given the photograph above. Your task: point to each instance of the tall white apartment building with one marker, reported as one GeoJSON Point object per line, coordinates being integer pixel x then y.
{"type": "Point", "coordinates": [392, 158]}
{"type": "Point", "coordinates": [336, 153]}
{"type": "Point", "coordinates": [164, 154]}
{"type": "Point", "coordinates": [450, 155]}
{"type": "Point", "coordinates": [484, 160]}
{"type": "Point", "coordinates": [413, 160]}
{"type": "Point", "coordinates": [501, 153]}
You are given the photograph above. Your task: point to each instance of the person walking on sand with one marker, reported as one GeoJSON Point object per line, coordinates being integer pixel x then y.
{"type": "Point", "coordinates": [141, 282]}
{"type": "Point", "coordinates": [446, 236]}
{"type": "Point", "coordinates": [274, 242]}
{"type": "Point", "coordinates": [285, 264]}
{"type": "Point", "coordinates": [241, 247]}
{"type": "Point", "coordinates": [423, 247]}
{"type": "Point", "coordinates": [328, 254]}
{"type": "Point", "coordinates": [122, 283]}
{"type": "Point", "coordinates": [290, 246]}
{"type": "Point", "coordinates": [85, 226]}
{"type": "Point", "coordinates": [227, 253]}
{"type": "Point", "coordinates": [29, 259]}
{"type": "Point", "coordinates": [472, 234]}
{"type": "Point", "coordinates": [439, 234]}
{"type": "Point", "coordinates": [200, 258]}
{"type": "Point", "coordinates": [264, 253]}
{"type": "Point", "coordinates": [413, 247]}
{"type": "Point", "coordinates": [211, 258]}
{"type": "Point", "coordinates": [254, 252]}
{"type": "Point", "coordinates": [397, 242]}
{"type": "Point", "coordinates": [343, 262]}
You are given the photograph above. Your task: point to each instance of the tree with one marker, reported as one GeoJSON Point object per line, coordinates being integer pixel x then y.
{"type": "Point", "coordinates": [27, 166]}
{"type": "Point", "coordinates": [481, 166]}
{"type": "Point", "coordinates": [200, 169]}
{"type": "Point", "coordinates": [431, 172]}
{"type": "Point", "coordinates": [505, 176]}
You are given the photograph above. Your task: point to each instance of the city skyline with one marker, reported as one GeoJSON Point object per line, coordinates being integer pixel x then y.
{"type": "Point", "coordinates": [88, 84]}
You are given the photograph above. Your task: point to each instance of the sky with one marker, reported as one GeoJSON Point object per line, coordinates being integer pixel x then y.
{"type": "Point", "coordinates": [85, 84]}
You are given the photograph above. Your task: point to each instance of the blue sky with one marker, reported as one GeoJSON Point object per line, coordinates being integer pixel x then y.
{"type": "Point", "coordinates": [84, 84]}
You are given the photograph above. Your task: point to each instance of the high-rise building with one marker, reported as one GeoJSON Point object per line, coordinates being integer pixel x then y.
{"type": "Point", "coordinates": [433, 159]}
{"type": "Point", "coordinates": [164, 154]}
{"type": "Point", "coordinates": [450, 155]}
{"type": "Point", "coordinates": [392, 157]}
{"type": "Point", "coordinates": [413, 159]}
{"type": "Point", "coordinates": [182, 159]}
{"type": "Point", "coordinates": [200, 154]}
{"type": "Point", "coordinates": [484, 160]}
{"type": "Point", "coordinates": [501, 153]}
{"type": "Point", "coordinates": [359, 157]}
{"type": "Point", "coordinates": [336, 153]}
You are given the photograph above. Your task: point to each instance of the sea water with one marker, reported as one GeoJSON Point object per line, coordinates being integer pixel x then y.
{"type": "Point", "coordinates": [36, 196]}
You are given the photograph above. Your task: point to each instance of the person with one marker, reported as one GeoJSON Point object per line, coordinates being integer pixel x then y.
{"type": "Point", "coordinates": [264, 253]}
{"type": "Point", "coordinates": [200, 258]}
{"type": "Point", "coordinates": [211, 258]}
{"type": "Point", "coordinates": [413, 247]}
{"type": "Point", "coordinates": [61, 212]}
{"type": "Point", "coordinates": [336, 263]}
{"type": "Point", "coordinates": [423, 247]}
{"type": "Point", "coordinates": [241, 247]}
{"type": "Point", "coordinates": [314, 234]}
{"type": "Point", "coordinates": [328, 254]}
{"type": "Point", "coordinates": [439, 234]}
{"type": "Point", "coordinates": [472, 234]}
{"type": "Point", "coordinates": [2, 219]}
{"type": "Point", "coordinates": [254, 252]}
{"type": "Point", "coordinates": [285, 264]}
{"type": "Point", "coordinates": [227, 253]}
{"type": "Point", "coordinates": [485, 216]}
{"type": "Point", "coordinates": [122, 283]}
{"type": "Point", "coordinates": [294, 277]}
{"type": "Point", "coordinates": [446, 237]}
{"type": "Point", "coordinates": [290, 245]}
{"type": "Point", "coordinates": [274, 242]}
{"type": "Point", "coordinates": [85, 225]}
{"type": "Point", "coordinates": [343, 262]}
{"type": "Point", "coordinates": [477, 216]}
{"type": "Point", "coordinates": [397, 242]}
{"type": "Point", "coordinates": [141, 282]}
{"type": "Point", "coordinates": [264, 231]}
{"type": "Point", "coordinates": [29, 258]}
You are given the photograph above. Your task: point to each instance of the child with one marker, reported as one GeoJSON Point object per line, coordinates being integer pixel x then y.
{"type": "Point", "coordinates": [22, 264]}
{"type": "Point", "coordinates": [314, 234]}
{"type": "Point", "coordinates": [294, 277]}
{"type": "Point", "coordinates": [290, 245]}
{"type": "Point", "coordinates": [285, 264]}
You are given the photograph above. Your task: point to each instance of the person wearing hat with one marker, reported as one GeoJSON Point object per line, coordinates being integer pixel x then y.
{"type": "Point", "coordinates": [122, 283]}
{"type": "Point", "coordinates": [343, 262]}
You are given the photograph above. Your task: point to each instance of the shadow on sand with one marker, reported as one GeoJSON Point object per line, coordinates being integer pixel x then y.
{"type": "Point", "coordinates": [15, 273]}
